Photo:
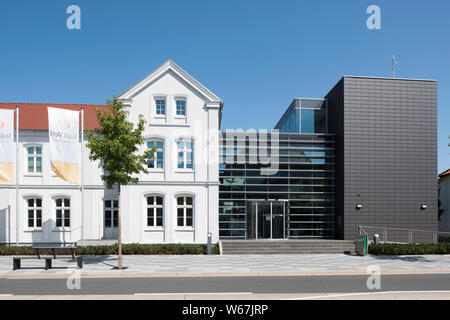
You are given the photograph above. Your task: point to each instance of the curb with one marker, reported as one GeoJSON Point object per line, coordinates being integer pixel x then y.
{"type": "Point", "coordinates": [127, 274]}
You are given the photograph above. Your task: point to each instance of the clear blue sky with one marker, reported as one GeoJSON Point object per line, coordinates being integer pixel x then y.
{"type": "Point", "coordinates": [255, 55]}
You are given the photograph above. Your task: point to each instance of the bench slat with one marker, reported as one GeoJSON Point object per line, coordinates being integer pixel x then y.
{"type": "Point", "coordinates": [45, 257]}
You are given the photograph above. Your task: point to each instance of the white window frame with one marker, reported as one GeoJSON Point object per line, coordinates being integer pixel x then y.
{"type": "Point", "coordinates": [180, 116]}
{"type": "Point", "coordinates": [63, 213]}
{"type": "Point", "coordinates": [112, 209]}
{"type": "Point", "coordinates": [155, 112]}
{"type": "Point", "coordinates": [35, 208]}
{"type": "Point", "coordinates": [185, 206]}
{"type": "Point", "coordinates": [154, 207]}
{"type": "Point", "coordinates": [34, 156]}
{"type": "Point", "coordinates": [155, 168]}
{"type": "Point", "coordinates": [185, 150]}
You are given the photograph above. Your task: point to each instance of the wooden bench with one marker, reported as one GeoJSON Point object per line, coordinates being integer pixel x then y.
{"type": "Point", "coordinates": [42, 254]}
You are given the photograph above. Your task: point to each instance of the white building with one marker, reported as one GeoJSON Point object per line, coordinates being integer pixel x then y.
{"type": "Point", "coordinates": [444, 196]}
{"type": "Point", "coordinates": [176, 202]}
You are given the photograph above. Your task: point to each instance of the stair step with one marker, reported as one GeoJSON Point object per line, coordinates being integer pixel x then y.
{"type": "Point", "coordinates": [287, 246]}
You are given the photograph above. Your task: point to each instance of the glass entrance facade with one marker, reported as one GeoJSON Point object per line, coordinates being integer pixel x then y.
{"type": "Point", "coordinates": [266, 219]}
{"type": "Point", "coordinates": [301, 186]}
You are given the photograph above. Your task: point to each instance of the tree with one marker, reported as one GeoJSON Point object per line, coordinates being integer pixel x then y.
{"type": "Point", "coordinates": [440, 210]}
{"type": "Point", "coordinates": [116, 144]}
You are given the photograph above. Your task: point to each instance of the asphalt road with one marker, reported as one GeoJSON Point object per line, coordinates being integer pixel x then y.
{"type": "Point", "coordinates": [257, 285]}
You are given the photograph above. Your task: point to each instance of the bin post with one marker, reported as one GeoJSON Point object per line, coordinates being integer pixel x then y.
{"type": "Point", "coordinates": [209, 242]}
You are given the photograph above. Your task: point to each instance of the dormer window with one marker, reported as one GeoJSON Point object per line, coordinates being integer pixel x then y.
{"type": "Point", "coordinates": [160, 107]}
{"type": "Point", "coordinates": [181, 108]}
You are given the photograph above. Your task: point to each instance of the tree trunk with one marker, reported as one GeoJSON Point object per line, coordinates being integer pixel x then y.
{"type": "Point", "coordinates": [119, 232]}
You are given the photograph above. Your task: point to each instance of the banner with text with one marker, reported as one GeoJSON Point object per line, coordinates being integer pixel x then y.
{"type": "Point", "coordinates": [7, 146]}
{"type": "Point", "coordinates": [63, 130]}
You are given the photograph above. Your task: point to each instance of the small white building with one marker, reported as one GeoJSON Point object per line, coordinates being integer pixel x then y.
{"type": "Point", "coordinates": [176, 202]}
{"type": "Point", "coordinates": [444, 196]}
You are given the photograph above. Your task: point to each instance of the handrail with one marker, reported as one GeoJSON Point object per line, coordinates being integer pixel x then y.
{"type": "Point", "coordinates": [402, 229]}
{"type": "Point", "coordinates": [434, 234]}
{"type": "Point", "coordinates": [362, 230]}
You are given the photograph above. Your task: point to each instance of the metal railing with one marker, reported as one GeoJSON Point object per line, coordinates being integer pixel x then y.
{"type": "Point", "coordinates": [400, 235]}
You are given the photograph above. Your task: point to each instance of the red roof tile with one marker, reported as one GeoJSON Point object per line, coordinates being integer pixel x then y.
{"type": "Point", "coordinates": [34, 116]}
{"type": "Point", "coordinates": [445, 173]}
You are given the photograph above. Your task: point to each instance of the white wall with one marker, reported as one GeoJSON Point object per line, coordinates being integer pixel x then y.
{"type": "Point", "coordinates": [444, 196]}
{"type": "Point", "coordinates": [200, 125]}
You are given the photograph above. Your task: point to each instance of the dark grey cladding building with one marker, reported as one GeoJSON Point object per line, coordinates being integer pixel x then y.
{"type": "Point", "coordinates": [386, 152]}
{"type": "Point", "coordinates": [365, 154]}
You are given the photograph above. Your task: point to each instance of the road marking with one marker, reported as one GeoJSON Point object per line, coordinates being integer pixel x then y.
{"type": "Point", "coordinates": [367, 293]}
{"type": "Point", "coordinates": [184, 293]}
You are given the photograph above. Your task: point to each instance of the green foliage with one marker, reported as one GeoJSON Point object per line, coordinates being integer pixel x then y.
{"type": "Point", "coordinates": [19, 251]}
{"type": "Point", "coordinates": [127, 249]}
{"type": "Point", "coordinates": [116, 145]}
{"type": "Point", "coordinates": [440, 210]}
{"type": "Point", "coordinates": [409, 249]}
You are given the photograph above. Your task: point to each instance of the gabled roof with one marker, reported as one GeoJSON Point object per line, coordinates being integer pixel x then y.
{"type": "Point", "coordinates": [166, 66]}
{"type": "Point", "coordinates": [445, 173]}
{"type": "Point", "coordinates": [34, 116]}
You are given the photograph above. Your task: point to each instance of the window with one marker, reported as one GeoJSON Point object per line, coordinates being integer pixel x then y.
{"type": "Point", "coordinates": [154, 211]}
{"type": "Point", "coordinates": [160, 107]}
{"type": "Point", "coordinates": [185, 155]}
{"type": "Point", "coordinates": [184, 211]}
{"type": "Point", "coordinates": [181, 108]}
{"type": "Point", "coordinates": [34, 155]}
{"type": "Point", "coordinates": [158, 157]}
{"type": "Point", "coordinates": [111, 213]}
{"type": "Point", "coordinates": [62, 212]}
{"type": "Point", "coordinates": [313, 121]}
{"type": "Point", "coordinates": [34, 209]}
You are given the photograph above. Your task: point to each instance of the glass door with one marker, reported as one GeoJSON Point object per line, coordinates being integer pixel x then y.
{"type": "Point", "coordinates": [111, 215]}
{"type": "Point", "coordinates": [278, 220]}
{"type": "Point", "coordinates": [266, 220]}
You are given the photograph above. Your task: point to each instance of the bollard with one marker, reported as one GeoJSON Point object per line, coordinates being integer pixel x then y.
{"type": "Point", "coordinates": [209, 242]}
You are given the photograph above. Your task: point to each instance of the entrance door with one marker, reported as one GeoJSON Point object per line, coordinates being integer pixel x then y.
{"type": "Point", "coordinates": [266, 220]}
{"type": "Point", "coordinates": [111, 215]}
{"type": "Point", "coordinates": [278, 220]}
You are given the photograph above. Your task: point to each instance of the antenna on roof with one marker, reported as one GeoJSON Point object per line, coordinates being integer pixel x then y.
{"type": "Point", "coordinates": [394, 62]}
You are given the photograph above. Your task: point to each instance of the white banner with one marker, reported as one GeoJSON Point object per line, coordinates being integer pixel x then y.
{"type": "Point", "coordinates": [63, 130]}
{"type": "Point", "coordinates": [7, 146]}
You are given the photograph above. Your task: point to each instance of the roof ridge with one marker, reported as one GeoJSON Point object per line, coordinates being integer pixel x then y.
{"type": "Point", "coordinates": [60, 104]}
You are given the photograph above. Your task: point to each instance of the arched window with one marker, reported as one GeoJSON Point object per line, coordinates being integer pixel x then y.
{"type": "Point", "coordinates": [158, 157]}
{"type": "Point", "coordinates": [185, 211]}
{"type": "Point", "coordinates": [62, 206]}
{"type": "Point", "coordinates": [34, 212]}
{"type": "Point", "coordinates": [155, 207]}
{"type": "Point", "coordinates": [185, 152]}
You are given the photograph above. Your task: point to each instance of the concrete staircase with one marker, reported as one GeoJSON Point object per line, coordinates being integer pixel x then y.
{"type": "Point", "coordinates": [287, 246]}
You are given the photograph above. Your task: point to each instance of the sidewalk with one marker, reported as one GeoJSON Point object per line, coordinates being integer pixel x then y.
{"type": "Point", "coordinates": [396, 295]}
{"type": "Point", "coordinates": [230, 265]}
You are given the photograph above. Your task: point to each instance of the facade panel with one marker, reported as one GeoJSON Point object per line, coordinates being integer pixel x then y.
{"type": "Point", "coordinates": [386, 153]}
